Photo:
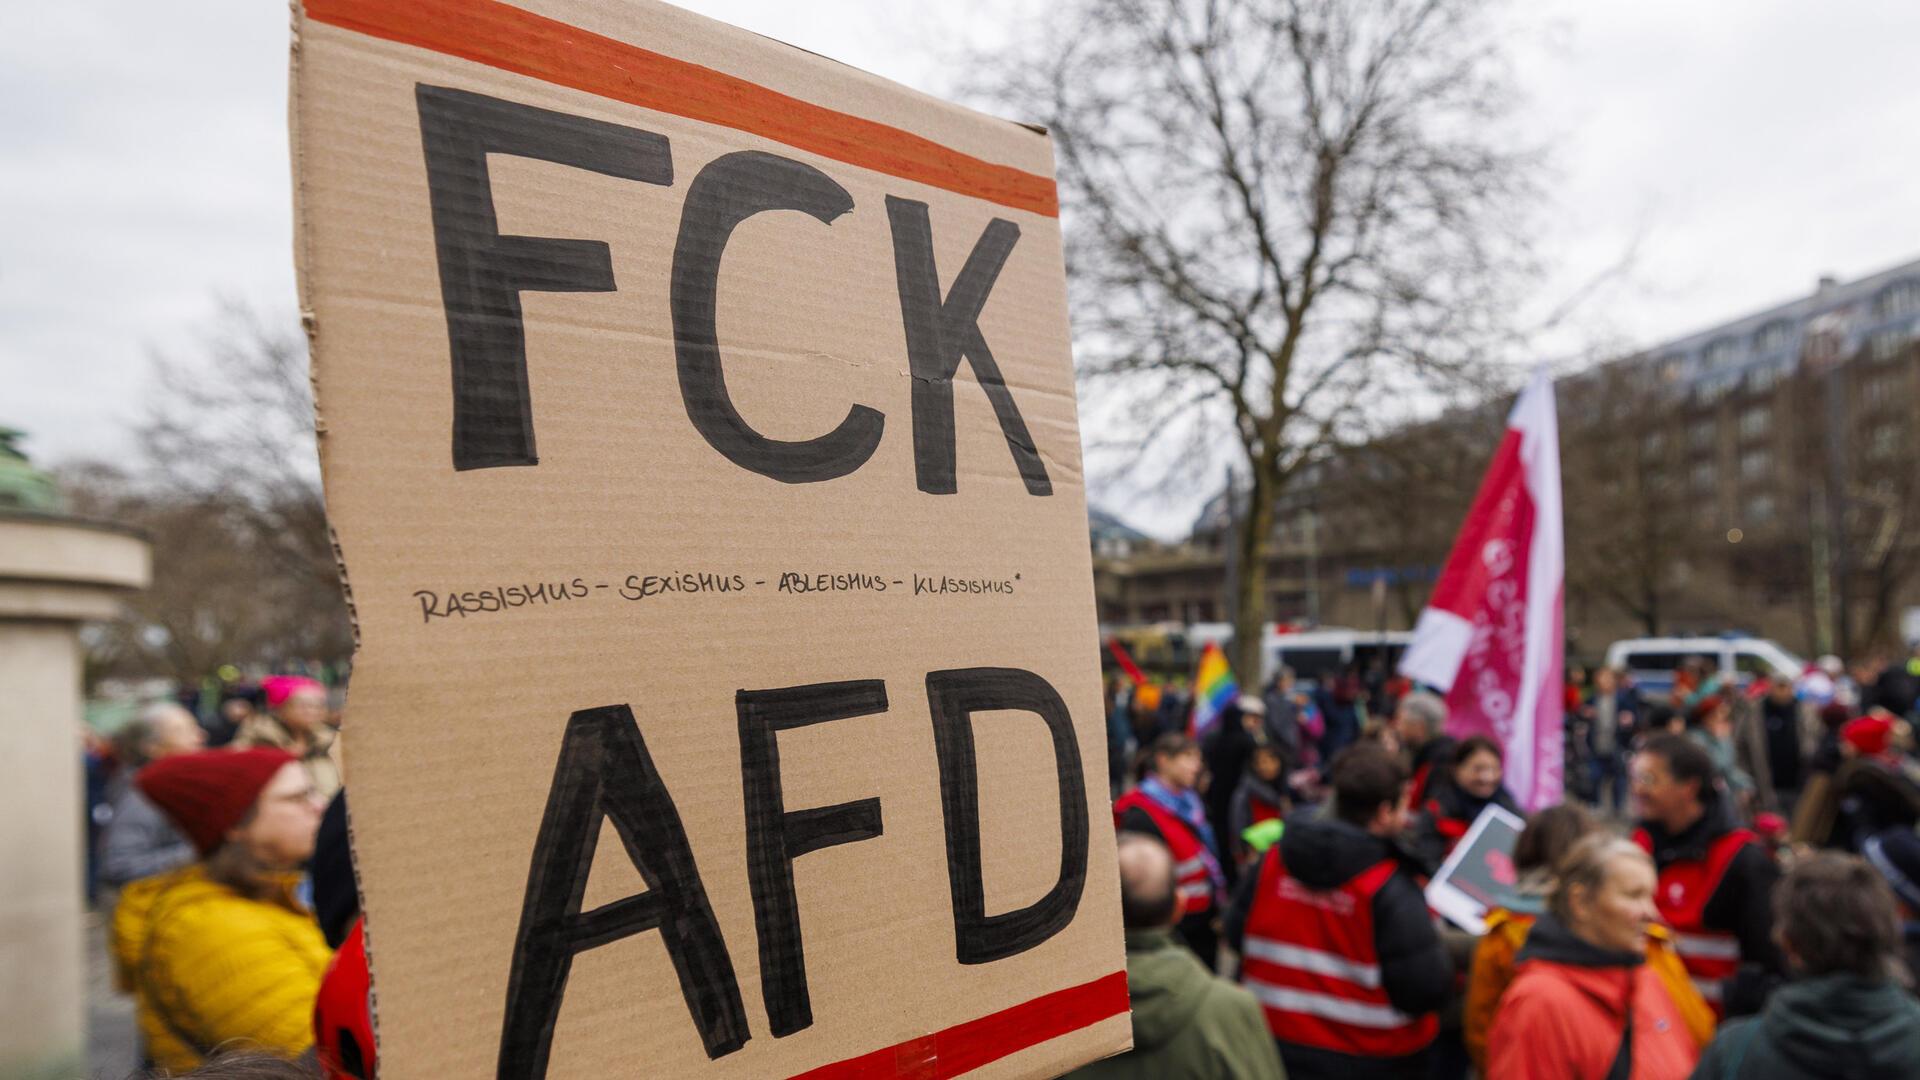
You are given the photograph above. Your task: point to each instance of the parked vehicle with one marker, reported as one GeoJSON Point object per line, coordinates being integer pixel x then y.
{"type": "Point", "coordinates": [1651, 662]}
{"type": "Point", "coordinates": [1317, 654]}
{"type": "Point", "coordinates": [1312, 654]}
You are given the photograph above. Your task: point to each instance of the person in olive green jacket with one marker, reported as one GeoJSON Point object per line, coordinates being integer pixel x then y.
{"type": "Point", "coordinates": [1187, 1023]}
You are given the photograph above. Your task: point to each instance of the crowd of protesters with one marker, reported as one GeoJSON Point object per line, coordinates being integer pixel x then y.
{"type": "Point", "coordinates": [1731, 888]}
{"type": "Point", "coordinates": [220, 848]}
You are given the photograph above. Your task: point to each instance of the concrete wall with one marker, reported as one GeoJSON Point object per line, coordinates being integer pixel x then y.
{"type": "Point", "coordinates": [55, 573]}
{"type": "Point", "coordinates": [41, 847]}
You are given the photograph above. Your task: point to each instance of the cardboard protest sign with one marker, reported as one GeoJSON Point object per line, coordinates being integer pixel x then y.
{"type": "Point", "coordinates": [1479, 874]}
{"type": "Point", "coordinates": [699, 435]}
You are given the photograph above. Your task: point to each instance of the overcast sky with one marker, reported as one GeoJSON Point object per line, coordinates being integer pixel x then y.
{"type": "Point", "coordinates": [1740, 147]}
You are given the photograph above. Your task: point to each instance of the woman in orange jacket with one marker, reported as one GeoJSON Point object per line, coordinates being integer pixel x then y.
{"type": "Point", "coordinates": [1549, 835]}
{"type": "Point", "coordinates": [1584, 1004]}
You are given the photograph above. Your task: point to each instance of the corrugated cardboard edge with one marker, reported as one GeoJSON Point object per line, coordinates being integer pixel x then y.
{"type": "Point", "coordinates": [310, 325]}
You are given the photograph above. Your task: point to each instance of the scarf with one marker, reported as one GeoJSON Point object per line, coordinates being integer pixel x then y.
{"type": "Point", "coordinates": [1186, 806]}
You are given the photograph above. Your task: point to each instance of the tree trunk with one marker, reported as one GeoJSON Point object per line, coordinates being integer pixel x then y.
{"type": "Point", "coordinates": [1882, 629]}
{"type": "Point", "coordinates": [1650, 596]}
{"type": "Point", "coordinates": [1250, 600]}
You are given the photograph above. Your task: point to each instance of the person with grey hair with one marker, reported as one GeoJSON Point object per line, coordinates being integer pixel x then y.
{"type": "Point", "coordinates": [1420, 721]}
{"type": "Point", "coordinates": [1584, 1003]}
{"type": "Point", "coordinates": [1187, 1022]}
{"type": "Point", "coordinates": [138, 840]}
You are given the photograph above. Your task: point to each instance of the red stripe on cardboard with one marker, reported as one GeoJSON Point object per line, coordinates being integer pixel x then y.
{"type": "Point", "coordinates": [512, 39]}
{"type": "Point", "coordinates": [966, 1047]}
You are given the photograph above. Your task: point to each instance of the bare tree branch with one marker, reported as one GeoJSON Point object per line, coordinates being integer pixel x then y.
{"type": "Point", "coordinates": [1286, 219]}
{"type": "Point", "coordinates": [228, 488]}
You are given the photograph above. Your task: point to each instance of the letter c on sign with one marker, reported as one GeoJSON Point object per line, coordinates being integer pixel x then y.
{"type": "Point", "coordinates": [728, 191]}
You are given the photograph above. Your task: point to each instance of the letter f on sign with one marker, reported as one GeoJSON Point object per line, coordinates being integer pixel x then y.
{"type": "Point", "coordinates": [482, 273]}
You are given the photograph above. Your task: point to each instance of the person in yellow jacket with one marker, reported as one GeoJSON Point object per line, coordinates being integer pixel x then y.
{"type": "Point", "coordinates": [1548, 836]}
{"type": "Point", "coordinates": [221, 954]}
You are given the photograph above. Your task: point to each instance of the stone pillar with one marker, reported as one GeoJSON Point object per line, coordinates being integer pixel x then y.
{"type": "Point", "coordinates": [55, 574]}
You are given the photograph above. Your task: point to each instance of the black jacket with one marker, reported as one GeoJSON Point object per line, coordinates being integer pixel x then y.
{"type": "Point", "coordinates": [1782, 722]}
{"type": "Point", "coordinates": [1241, 816]}
{"type": "Point", "coordinates": [336, 896]}
{"type": "Point", "coordinates": [1893, 691]}
{"type": "Point", "coordinates": [1283, 724]}
{"type": "Point", "coordinates": [1435, 755]}
{"type": "Point", "coordinates": [1741, 906]}
{"type": "Point", "coordinates": [1323, 852]}
{"type": "Point", "coordinates": [1874, 794]}
{"type": "Point", "coordinates": [1225, 751]}
{"type": "Point", "coordinates": [1429, 844]}
{"type": "Point", "coordinates": [1836, 1027]}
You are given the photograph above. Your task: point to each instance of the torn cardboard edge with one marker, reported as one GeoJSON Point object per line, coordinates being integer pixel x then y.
{"type": "Point", "coordinates": [310, 330]}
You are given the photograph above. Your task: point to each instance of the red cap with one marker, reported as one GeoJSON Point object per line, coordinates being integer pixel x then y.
{"type": "Point", "coordinates": [1871, 734]}
{"type": "Point", "coordinates": [1770, 825]}
{"type": "Point", "coordinates": [208, 793]}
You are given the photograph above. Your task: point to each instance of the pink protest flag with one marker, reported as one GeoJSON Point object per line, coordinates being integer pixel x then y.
{"type": "Point", "coordinates": [1492, 636]}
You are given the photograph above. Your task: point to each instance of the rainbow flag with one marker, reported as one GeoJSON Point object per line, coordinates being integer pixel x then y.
{"type": "Point", "coordinates": [1213, 690]}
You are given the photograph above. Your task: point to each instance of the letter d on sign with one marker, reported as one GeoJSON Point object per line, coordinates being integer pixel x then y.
{"type": "Point", "coordinates": [953, 697]}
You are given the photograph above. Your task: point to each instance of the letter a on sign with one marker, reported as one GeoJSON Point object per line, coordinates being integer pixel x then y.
{"type": "Point", "coordinates": [661, 366]}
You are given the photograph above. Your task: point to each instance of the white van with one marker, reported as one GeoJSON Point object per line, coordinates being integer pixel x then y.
{"type": "Point", "coordinates": [1312, 654]}
{"type": "Point", "coordinates": [1318, 654]}
{"type": "Point", "coordinates": [1651, 662]}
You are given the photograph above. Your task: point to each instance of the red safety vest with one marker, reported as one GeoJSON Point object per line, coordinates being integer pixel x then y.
{"type": "Point", "coordinates": [1193, 882]}
{"type": "Point", "coordinates": [1711, 956]}
{"type": "Point", "coordinates": [1309, 957]}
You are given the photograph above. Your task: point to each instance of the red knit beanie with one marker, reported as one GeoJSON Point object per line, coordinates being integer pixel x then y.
{"type": "Point", "coordinates": [1871, 734]}
{"type": "Point", "coordinates": [208, 793]}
